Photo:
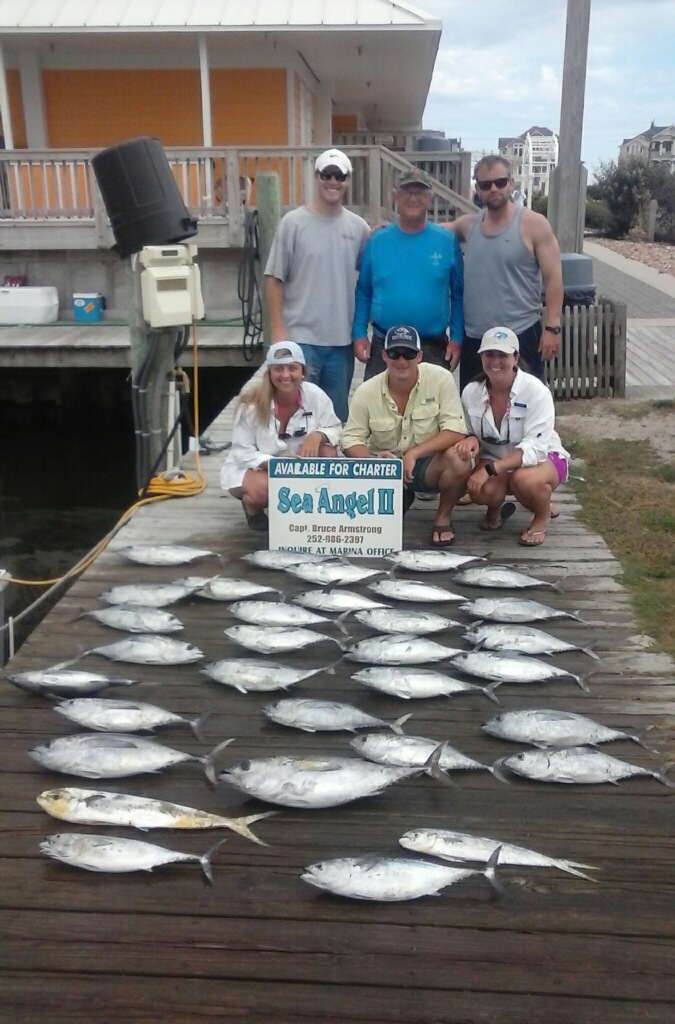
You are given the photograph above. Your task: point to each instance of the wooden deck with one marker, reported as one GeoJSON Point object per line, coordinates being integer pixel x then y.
{"type": "Point", "coordinates": [260, 946]}
{"type": "Point", "coordinates": [105, 346]}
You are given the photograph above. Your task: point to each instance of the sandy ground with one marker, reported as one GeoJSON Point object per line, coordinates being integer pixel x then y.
{"type": "Point", "coordinates": [654, 254]}
{"type": "Point", "coordinates": [602, 419]}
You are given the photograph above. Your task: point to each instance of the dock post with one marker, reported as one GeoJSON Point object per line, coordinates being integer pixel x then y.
{"type": "Point", "coordinates": [4, 583]}
{"type": "Point", "coordinates": [269, 215]}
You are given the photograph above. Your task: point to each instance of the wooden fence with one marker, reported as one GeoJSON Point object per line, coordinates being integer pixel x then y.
{"type": "Point", "coordinates": [591, 359]}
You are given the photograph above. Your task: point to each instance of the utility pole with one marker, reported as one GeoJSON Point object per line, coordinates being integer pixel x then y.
{"type": "Point", "coordinates": [566, 213]}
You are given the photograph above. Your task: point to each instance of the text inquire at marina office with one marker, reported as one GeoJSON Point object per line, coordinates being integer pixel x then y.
{"type": "Point", "coordinates": [336, 506]}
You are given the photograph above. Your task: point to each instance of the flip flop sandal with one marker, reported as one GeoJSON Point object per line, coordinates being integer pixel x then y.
{"type": "Point", "coordinates": [437, 531]}
{"type": "Point", "coordinates": [528, 541]}
{"type": "Point", "coordinates": [506, 511]}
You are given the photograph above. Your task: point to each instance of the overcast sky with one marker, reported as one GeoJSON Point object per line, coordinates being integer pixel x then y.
{"type": "Point", "coordinates": [500, 62]}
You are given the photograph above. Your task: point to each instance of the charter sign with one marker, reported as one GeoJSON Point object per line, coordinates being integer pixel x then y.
{"type": "Point", "coordinates": [336, 506]}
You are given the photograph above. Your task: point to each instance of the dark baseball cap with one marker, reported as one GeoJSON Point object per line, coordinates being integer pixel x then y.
{"type": "Point", "coordinates": [402, 337]}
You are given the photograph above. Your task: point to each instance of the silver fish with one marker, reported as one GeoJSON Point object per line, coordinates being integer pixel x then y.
{"type": "Point", "coordinates": [390, 878]}
{"type": "Point", "coordinates": [506, 609]}
{"type": "Point", "coordinates": [309, 782]}
{"type": "Point", "coordinates": [410, 590]}
{"type": "Point", "coordinates": [149, 650]}
{"type": "Point", "coordinates": [313, 715]}
{"type": "Point", "coordinates": [413, 752]}
{"type": "Point", "coordinates": [105, 715]}
{"type": "Point", "coordinates": [337, 572]}
{"type": "Point", "coordinates": [136, 619]}
{"type": "Point", "coordinates": [65, 682]}
{"type": "Point", "coordinates": [399, 649]}
{"type": "Point", "coordinates": [106, 755]}
{"type": "Point", "coordinates": [511, 668]}
{"type": "Point", "coordinates": [430, 561]}
{"type": "Point", "coordinates": [162, 554]}
{"type": "Point", "coordinates": [249, 675]}
{"type": "Point", "coordinates": [265, 559]}
{"type": "Point", "coordinates": [115, 855]}
{"type": "Point", "coordinates": [419, 683]}
{"type": "Point", "coordinates": [577, 765]}
{"type": "Point", "coordinates": [274, 640]}
{"type": "Point", "coordinates": [498, 576]}
{"type": "Point", "coordinates": [391, 620]}
{"type": "Point", "coordinates": [224, 588]}
{"type": "Point", "coordinates": [450, 845]}
{"type": "Point", "coordinates": [274, 613]}
{"type": "Point", "coordinates": [521, 639]}
{"type": "Point", "coordinates": [149, 595]}
{"type": "Point", "coordinates": [336, 600]}
{"type": "Point", "coordinates": [97, 807]}
{"type": "Point", "coordinates": [544, 728]}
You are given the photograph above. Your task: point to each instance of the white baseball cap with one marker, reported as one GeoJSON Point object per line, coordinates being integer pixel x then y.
{"type": "Point", "coordinates": [281, 353]}
{"type": "Point", "coordinates": [500, 339]}
{"type": "Point", "coordinates": [333, 158]}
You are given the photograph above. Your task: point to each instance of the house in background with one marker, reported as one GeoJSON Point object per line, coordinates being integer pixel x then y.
{"type": "Point", "coordinates": [655, 145]}
{"type": "Point", "coordinates": [533, 155]}
{"type": "Point", "coordinates": [231, 89]}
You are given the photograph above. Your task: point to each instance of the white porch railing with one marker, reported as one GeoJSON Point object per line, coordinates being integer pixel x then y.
{"type": "Point", "coordinates": [41, 191]}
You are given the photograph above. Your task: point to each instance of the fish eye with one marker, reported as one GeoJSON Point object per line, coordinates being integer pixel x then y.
{"type": "Point", "coordinates": [245, 765]}
{"type": "Point", "coordinates": [520, 757]}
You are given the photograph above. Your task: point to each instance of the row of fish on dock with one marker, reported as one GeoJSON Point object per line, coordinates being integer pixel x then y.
{"type": "Point", "coordinates": [565, 743]}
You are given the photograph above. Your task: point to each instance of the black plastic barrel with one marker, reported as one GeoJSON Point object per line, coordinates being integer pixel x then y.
{"type": "Point", "coordinates": [141, 196]}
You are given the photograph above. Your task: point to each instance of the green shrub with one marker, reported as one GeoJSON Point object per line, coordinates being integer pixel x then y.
{"type": "Point", "coordinates": [598, 216]}
{"type": "Point", "coordinates": [540, 204]}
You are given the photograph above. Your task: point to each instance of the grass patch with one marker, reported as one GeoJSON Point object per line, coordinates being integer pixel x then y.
{"type": "Point", "coordinates": [627, 496]}
{"type": "Point", "coordinates": [620, 407]}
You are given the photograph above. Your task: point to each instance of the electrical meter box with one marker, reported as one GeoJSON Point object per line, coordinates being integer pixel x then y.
{"type": "Point", "coordinates": [170, 285]}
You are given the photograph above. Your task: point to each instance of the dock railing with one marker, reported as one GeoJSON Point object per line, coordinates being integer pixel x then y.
{"type": "Point", "coordinates": [591, 358]}
{"type": "Point", "coordinates": [51, 200]}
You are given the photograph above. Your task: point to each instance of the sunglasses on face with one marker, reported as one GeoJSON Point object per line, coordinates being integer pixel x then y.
{"type": "Point", "coordinates": [485, 186]}
{"type": "Point", "coordinates": [401, 353]}
{"type": "Point", "coordinates": [338, 175]}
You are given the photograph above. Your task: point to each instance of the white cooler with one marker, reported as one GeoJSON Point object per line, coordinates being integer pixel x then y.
{"type": "Point", "coordinates": [29, 305]}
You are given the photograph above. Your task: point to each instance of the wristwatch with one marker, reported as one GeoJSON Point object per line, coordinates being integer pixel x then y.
{"type": "Point", "coordinates": [490, 468]}
{"type": "Point", "coordinates": [553, 329]}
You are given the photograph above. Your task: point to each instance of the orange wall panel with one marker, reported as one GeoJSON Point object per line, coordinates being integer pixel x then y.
{"type": "Point", "coordinates": [16, 109]}
{"type": "Point", "coordinates": [345, 123]}
{"type": "Point", "coordinates": [249, 107]}
{"type": "Point", "coordinates": [101, 108]}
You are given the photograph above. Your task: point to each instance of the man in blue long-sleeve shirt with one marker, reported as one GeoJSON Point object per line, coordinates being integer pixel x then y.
{"type": "Point", "coordinates": [410, 274]}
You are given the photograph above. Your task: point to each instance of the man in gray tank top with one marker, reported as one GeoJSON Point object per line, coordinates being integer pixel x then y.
{"type": "Point", "coordinates": [510, 253]}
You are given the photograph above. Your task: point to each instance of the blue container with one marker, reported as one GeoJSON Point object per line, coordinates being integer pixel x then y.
{"type": "Point", "coordinates": [87, 307]}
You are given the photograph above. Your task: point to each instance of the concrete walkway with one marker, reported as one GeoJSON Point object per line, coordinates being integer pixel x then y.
{"type": "Point", "coordinates": [650, 297]}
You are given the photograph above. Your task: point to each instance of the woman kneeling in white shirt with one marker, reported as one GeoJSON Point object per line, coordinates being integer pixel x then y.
{"type": "Point", "coordinates": [278, 414]}
{"type": "Point", "coordinates": [511, 419]}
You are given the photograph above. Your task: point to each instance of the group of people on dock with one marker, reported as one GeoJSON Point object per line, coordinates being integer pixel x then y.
{"type": "Point", "coordinates": [405, 301]}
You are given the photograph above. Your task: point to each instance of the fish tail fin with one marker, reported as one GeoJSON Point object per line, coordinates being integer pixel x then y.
{"type": "Point", "coordinates": [588, 649]}
{"type": "Point", "coordinates": [489, 691]}
{"type": "Point", "coordinates": [196, 724]}
{"type": "Point", "coordinates": [497, 774]}
{"type": "Point", "coordinates": [329, 669]}
{"type": "Point", "coordinates": [397, 725]}
{"type": "Point", "coordinates": [432, 767]}
{"type": "Point", "coordinates": [581, 681]}
{"type": "Point", "coordinates": [240, 826]}
{"type": "Point", "coordinates": [205, 859]}
{"type": "Point", "coordinates": [491, 873]}
{"type": "Point", "coordinates": [568, 866]}
{"type": "Point", "coordinates": [209, 761]}
{"type": "Point", "coordinates": [498, 770]}
{"type": "Point", "coordinates": [662, 775]}
{"type": "Point", "coordinates": [341, 620]}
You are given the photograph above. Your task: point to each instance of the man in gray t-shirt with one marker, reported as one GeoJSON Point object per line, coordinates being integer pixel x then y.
{"type": "Point", "coordinates": [311, 277]}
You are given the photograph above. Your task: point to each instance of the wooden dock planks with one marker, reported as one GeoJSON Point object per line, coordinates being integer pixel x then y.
{"type": "Point", "coordinates": [260, 946]}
